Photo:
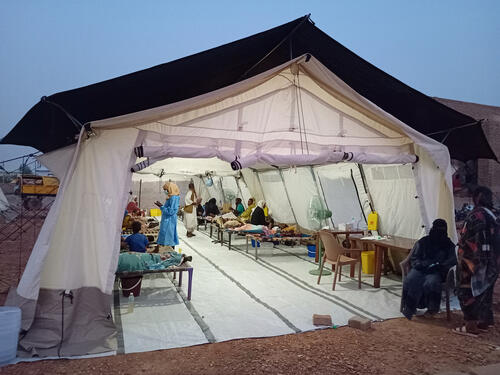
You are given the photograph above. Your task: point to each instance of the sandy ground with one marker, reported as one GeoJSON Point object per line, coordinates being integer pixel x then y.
{"type": "Point", "coordinates": [397, 346]}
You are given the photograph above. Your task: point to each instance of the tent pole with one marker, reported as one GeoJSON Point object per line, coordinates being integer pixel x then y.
{"type": "Point", "coordinates": [222, 190]}
{"type": "Point", "coordinates": [322, 191]}
{"type": "Point", "coordinates": [365, 186]}
{"type": "Point", "coordinates": [260, 185]}
{"type": "Point", "coordinates": [140, 192]}
{"type": "Point", "coordinates": [288, 196]}
{"type": "Point", "coordinates": [239, 189]}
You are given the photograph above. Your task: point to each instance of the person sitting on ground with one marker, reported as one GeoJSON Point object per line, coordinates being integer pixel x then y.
{"type": "Point", "coordinates": [137, 242]}
{"type": "Point", "coordinates": [239, 207]}
{"type": "Point", "coordinates": [478, 263]}
{"type": "Point", "coordinates": [247, 214]}
{"type": "Point", "coordinates": [431, 258]}
{"type": "Point", "coordinates": [211, 208]}
{"type": "Point", "coordinates": [258, 217]}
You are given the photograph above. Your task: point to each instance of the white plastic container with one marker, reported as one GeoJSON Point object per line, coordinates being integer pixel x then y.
{"type": "Point", "coordinates": [10, 325]}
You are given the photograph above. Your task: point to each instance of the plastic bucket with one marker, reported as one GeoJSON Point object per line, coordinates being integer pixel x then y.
{"type": "Point", "coordinates": [368, 262]}
{"type": "Point", "coordinates": [255, 242]}
{"type": "Point", "coordinates": [10, 325]}
{"type": "Point", "coordinates": [311, 251]}
{"type": "Point", "coordinates": [131, 285]}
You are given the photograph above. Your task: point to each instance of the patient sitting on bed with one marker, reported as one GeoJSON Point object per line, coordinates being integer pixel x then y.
{"type": "Point", "coordinates": [137, 242]}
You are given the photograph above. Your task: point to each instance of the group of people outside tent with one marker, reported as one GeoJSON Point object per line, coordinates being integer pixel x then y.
{"type": "Point", "coordinates": [477, 261]}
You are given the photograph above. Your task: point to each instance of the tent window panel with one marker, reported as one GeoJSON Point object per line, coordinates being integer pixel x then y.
{"type": "Point", "coordinates": [275, 196]}
{"type": "Point", "coordinates": [342, 199]}
{"type": "Point", "coordinates": [394, 200]}
{"type": "Point", "coordinates": [231, 191]}
{"type": "Point", "coordinates": [245, 192]}
{"type": "Point", "coordinates": [301, 188]}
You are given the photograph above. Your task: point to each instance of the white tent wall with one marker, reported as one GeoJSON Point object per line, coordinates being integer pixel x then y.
{"type": "Point", "coordinates": [252, 183]}
{"type": "Point", "coordinates": [276, 196]}
{"type": "Point", "coordinates": [435, 194]}
{"type": "Point", "coordinates": [301, 188]}
{"type": "Point", "coordinates": [77, 252]}
{"type": "Point", "coordinates": [341, 193]}
{"type": "Point", "coordinates": [393, 190]}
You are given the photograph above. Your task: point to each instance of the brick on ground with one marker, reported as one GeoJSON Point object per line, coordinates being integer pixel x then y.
{"type": "Point", "coordinates": [360, 323]}
{"type": "Point", "coordinates": [322, 320]}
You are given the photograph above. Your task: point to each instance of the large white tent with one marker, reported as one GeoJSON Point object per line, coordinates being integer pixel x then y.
{"type": "Point", "coordinates": [284, 128]}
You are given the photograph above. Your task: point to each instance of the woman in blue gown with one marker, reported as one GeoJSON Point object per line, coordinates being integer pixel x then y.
{"type": "Point", "coordinates": [168, 225]}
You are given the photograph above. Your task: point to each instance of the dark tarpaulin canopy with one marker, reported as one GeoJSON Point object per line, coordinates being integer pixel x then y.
{"type": "Point", "coordinates": [46, 126]}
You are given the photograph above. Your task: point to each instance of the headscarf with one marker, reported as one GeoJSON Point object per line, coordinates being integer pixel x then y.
{"type": "Point", "coordinates": [261, 204]}
{"type": "Point", "coordinates": [172, 189]}
{"type": "Point", "coordinates": [439, 231]}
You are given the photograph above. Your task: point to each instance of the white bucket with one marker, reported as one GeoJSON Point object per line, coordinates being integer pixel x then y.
{"type": "Point", "coordinates": [10, 325]}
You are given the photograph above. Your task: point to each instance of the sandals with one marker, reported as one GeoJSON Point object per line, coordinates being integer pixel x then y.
{"type": "Point", "coordinates": [462, 330]}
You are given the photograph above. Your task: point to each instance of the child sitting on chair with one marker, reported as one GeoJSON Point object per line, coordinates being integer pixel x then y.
{"type": "Point", "coordinates": [137, 242]}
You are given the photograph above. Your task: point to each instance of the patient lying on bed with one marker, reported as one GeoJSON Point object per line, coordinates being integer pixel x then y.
{"type": "Point", "coordinates": [132, 261]}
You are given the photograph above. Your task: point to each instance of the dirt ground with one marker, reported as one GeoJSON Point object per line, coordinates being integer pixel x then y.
{"type": "Point", "coordinates": [397, 346]}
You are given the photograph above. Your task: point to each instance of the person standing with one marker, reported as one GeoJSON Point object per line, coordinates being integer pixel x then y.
{"type": "Point", "coordinates": [477, 268]}
{"type": "Point", "coordinates": [168, 225]}
{"type": "Point", "coordinates": [191, 201]}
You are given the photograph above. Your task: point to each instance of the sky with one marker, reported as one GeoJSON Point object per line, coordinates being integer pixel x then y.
{"type": "Point", "coordinates": [445, 48]}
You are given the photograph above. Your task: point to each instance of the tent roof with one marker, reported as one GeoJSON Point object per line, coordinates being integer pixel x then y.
{"type": "Point", "coordinates": [46, 127]}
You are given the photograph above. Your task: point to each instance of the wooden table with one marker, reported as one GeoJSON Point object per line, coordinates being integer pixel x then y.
{"type": "Point", "coordinates": [381, 248]}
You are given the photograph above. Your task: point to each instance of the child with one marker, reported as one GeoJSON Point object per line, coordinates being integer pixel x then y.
{"type": "Point", "coordinates": [137, 242]}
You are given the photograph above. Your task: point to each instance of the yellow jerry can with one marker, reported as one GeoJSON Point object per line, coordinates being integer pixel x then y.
{"type": "Point", "coordinates": [372, 221]}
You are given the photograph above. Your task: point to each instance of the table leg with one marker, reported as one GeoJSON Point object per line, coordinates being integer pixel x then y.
{"type": "Point", "coordinates": [247, 242]}
{"type": "Point", "coordinates": [317, 248]}
{"type": "Point", "coordinates": [190, 282]}
{"type": "Point", "coordinates": [378, 266]}
{"type": "Point", "coordinates": [257, 244]}
{"type": "Point", "coordinates": [386, 260]}
{"type": "Point", "coordinates": [229, 241]}
{"type": "Point", "coordinates": [211, 230]}
{"type": "Point", "coordinates": [221, 237]}
{"type": "Point", "coordinates": [180, 278]}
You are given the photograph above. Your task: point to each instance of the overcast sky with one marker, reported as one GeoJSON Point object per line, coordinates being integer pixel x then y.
{"type": "Point", "coordinates": [446, 48]}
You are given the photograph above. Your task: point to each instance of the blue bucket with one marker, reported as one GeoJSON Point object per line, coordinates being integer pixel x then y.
{"type": "Point", "coordinates": [253, 243]}
{"type": "Point", "coordinates": [311, 251]}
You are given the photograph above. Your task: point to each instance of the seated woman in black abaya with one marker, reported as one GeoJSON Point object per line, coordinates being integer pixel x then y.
{"type": "Point", "coordinates": [432, 257]}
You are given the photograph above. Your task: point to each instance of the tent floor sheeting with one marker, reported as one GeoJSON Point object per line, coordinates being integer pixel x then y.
{"type": "Point", "coordinates": [235, 296]}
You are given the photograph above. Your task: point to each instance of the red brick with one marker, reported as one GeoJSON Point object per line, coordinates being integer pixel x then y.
{"type": "Point", "coordinates": [360, 323]}
{"type": "Point", "coordinates": [322, 320]}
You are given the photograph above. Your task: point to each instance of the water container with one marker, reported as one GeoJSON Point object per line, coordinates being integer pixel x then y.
{"type": "Point", "coordinates": [131, 303]}
{"type": "Point", "coordinates": [255, 243]}
{"type": "Point", "coordinates": [10, 325]}
{"type": "Point", "coordinates": [311, 251]}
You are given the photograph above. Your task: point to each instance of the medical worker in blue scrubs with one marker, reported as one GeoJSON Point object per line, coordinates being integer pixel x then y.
{"type": "Point", "coordinates": [168, 225]}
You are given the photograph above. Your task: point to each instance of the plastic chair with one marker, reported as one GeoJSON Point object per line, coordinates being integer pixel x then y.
{"type": "Point", "coordinates": [335, 255]}
{"type": "Point", "coordinates": [449, 282]}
